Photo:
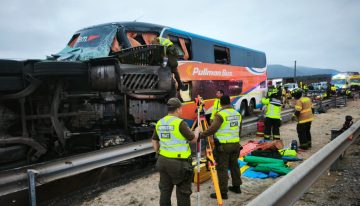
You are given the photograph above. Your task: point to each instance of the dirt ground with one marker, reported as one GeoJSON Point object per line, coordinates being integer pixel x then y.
{"type": "Point", "coordinates": [145, 192]}
{"type": "Point", "coordinates": [340, 187]}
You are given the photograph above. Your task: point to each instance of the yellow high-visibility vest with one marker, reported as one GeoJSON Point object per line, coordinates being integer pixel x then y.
{"type": "Point", "coordinates": [229, 129]}
{"type": "Point", "coordinates": [165, 43]}
{"type": "Point", "coordinates": [273, 108]}
{"type": "Point", "coordinates": [172, 143]}
{"type": "Point", "coordinates": [215, 109]}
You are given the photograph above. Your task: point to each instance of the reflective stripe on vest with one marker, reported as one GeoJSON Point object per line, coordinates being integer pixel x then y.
{"type": "Point", "coordinates": [172, 143]}
{"type": "Point", "coordinates": [229, 129]}
{"type": "Point", "coordinates": [304, 105]}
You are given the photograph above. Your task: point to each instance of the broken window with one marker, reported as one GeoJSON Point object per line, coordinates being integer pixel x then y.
{"type": "Point", "coordinates": [73, 40]}
{"type": "Point", "coordinates": [140, 38]}
{"type": "Point", "coordinates": [222, 55]}
{"type": "Point", "coordinates": [183, 46]}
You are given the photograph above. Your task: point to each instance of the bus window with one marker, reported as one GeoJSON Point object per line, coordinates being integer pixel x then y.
{"type": "Point", "coordinates": [183, 46]}
{"type": "Point", "coordinates": [140, 38]}
{"type": "Point", "coordinates": [186, 95]}
{"type": "Point", "coordinates": [73, 40]}
{"type": "Point", "coordinates": [235, 87]}
{"type": "Point", "coordinates": [222, 55]}
{"type": "Point", "coordinates": [263, 84]}
{"type": "Point", "coordinates": [208, 88]}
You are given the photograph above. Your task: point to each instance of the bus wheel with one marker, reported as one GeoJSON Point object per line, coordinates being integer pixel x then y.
{"type": "Point", "coordinates": [250, 108]}
{"type": "Point", "coordinates": [243, 107]}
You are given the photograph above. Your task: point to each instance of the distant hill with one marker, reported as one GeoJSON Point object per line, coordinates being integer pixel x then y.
{"type": "Point", "coordinates": [277, 70]}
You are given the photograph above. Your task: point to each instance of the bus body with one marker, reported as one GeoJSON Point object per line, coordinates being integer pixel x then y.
{"type": "Point", "coordinates": [212, 65]}
{"type": "Point", "coordinates": [109, 86]}
{"type": "Point", "coordinates": [341, 81]}
{"type": "Point", "coordinates": [205, 64]}
{"type": "Point", "coordinates": [355, 82]}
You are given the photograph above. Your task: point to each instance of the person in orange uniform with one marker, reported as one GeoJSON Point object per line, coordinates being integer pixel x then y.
{"type": "Point", "coordinates": [305, 115]}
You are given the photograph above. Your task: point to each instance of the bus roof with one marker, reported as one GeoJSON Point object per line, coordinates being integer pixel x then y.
{"type": "Point", "coordinates": [210, 39]}
{"type": "Point", "coordinates": [159, 28]}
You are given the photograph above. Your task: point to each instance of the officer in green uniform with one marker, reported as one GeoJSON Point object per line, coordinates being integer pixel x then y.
{"type": "Point", "coordinates": [227, 128]}
{"type": "Point", "coordinates": [171, 53]}
{"type": "Point", "coordinates": [171, 141]}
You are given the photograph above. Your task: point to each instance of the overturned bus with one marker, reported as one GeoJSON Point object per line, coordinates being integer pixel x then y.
{"type": "Point", "coordinates": [109, 86]}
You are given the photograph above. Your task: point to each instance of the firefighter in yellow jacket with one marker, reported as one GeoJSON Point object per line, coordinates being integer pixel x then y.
{"type": "Point", "coordinates": [304, 115]}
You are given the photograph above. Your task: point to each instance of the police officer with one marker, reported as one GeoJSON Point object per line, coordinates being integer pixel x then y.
{"type": "Point", "coordinates": [216, 107]}
{"type": "Point", "coordinates": [273, 114]}
{"type": "Point", "coordinates": [226, 127]}
{"type": "Point", "coordinates": [304, 115]}
{"type": "Point", "coordinates": [172, 55]}
{"type": "Point", "coordinates": [171, 141]}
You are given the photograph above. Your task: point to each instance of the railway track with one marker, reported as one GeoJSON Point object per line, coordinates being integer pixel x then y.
{"type": "Point", "coordinates": [58, 178]}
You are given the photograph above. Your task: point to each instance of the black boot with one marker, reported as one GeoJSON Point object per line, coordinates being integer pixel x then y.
{"type": "Point", "coordinates": [223, 195]}
{"type": "Point", "coordinates": [235, 189]}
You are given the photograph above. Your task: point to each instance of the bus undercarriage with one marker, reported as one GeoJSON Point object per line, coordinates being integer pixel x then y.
{"type": "Point", "coordinates": [56, 108]}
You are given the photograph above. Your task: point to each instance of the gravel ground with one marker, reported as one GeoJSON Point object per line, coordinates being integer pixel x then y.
{"type": "Point", "coordinates": [340, 187]}
{"type": "Point", "coordinates": [144, 191]}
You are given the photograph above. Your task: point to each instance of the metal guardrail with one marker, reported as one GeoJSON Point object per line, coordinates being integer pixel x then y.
{"type": "Point", "coordinates": [16, 179]}
{"type": "Point", "coordinates": [249, 125]}
{"type": "Point", "coordinates": [291, 187]}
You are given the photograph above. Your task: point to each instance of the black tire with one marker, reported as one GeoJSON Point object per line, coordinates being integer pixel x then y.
{"type": "Point", "coordinates": [11, 66]}
{"type": "Point", "coordinates": [243, 108]}
{"type": "Point", "coordinates": [250, 108]}
{"type": "Point", "coordinates": [62, 68]}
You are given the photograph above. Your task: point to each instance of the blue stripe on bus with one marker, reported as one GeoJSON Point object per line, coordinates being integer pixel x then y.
{"type": "Point", "coordinates": [180, 32]}
{"type": "Point", "coordinates": [253, 70]}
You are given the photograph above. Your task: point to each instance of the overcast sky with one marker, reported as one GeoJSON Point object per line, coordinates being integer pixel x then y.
{"type": "Point", "coordinates": [316, 33]}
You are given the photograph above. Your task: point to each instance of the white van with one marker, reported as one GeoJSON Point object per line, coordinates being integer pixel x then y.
{"type": "Point", "coordinates": [291, 86]}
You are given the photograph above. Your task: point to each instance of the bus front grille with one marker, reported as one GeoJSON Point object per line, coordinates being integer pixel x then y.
{"type": "Point", "coordinates": [139, 81]}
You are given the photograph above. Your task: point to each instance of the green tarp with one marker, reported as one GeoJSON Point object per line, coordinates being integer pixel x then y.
{"type": "Point", "coordinates": [283, 170]}
{"type": "Point", "coordinates": [254, 160]}
{"type": "Point", "coordinates": [265, 164]}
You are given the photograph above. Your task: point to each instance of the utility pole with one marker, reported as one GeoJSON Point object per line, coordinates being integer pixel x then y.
{"type": "Point", "coordinates": [295, 72]}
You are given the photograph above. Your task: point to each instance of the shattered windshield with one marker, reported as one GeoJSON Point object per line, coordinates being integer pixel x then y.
{"type": "Point", "coordinates": [94, 37]}
{"type": "Point", "coordinates": [89, 43]}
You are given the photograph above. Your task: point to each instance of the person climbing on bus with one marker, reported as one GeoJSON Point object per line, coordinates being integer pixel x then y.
{"type": "Point", "coordinates": [171, 53]}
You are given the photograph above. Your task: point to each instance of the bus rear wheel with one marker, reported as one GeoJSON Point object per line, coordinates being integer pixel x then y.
{"type": "Point", "coordinates": [250, 108]}
{"type": "Point", "coordinates": [243, 108]}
